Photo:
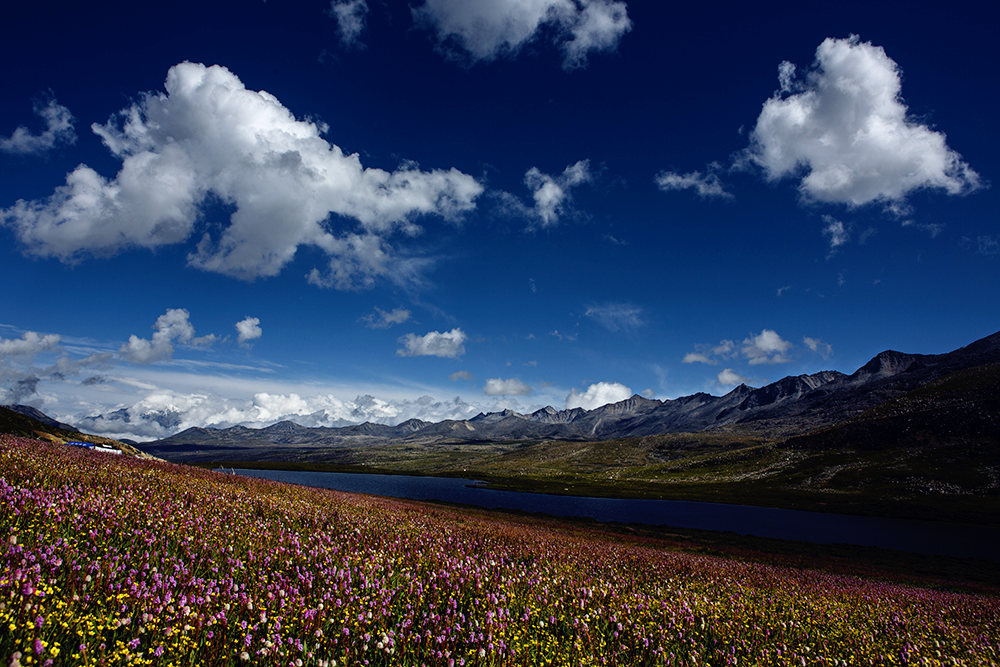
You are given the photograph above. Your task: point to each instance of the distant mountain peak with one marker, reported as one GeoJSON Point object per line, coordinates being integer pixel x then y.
{"type": "Point", "coordinates": [793, 404]}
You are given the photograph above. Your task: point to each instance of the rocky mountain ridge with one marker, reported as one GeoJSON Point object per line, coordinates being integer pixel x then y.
{"type": "Point", "coordinates": [790, 406]}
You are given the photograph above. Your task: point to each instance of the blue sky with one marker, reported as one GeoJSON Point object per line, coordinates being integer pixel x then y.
{"type": "Point", "coordinates": [239, 212]}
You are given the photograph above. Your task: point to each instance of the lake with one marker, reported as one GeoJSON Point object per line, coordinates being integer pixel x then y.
{"type": "Point", "coordinates": [929, 537]}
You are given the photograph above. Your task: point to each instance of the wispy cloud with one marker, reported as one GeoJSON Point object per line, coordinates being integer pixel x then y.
{"type": "Point", "coordinates": [509, 387]}
{"type": "Point", "coordinates": [383, 319]}
{"type": "Point", "coordinates": [485, 31]}
{"type": "Point", "coordinates": [706, 185]}
{"type": "Point", "coordinates": [616, 316]}
{"type": "Point", "coordinates": [836, 232]}
{"type": "Point", "coordinates": [818, 346]}
{"type": "Point", "coordinates": [711, 354]}
{"type": "Point", "coordinates": [350, 17]}
{"type": "Point", "coordinates": [58, 130]}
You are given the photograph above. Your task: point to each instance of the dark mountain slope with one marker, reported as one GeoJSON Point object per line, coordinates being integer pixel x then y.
{"type": "Point", "coordinates": [38, 415]}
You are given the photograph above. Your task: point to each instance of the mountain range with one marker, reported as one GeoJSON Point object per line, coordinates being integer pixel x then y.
{"type": "Point", "coordinates": [792, 406]}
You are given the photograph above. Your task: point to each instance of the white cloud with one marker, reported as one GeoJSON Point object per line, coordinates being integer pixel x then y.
{"type": "Point", "coordinates": [58, 130]}
{"type": "Point", "coordinates": [598, 26]}
{"type": "Point", "coordinates": [210, 135]}
{"type": "Point", "coordinates": [821, 348]}
{"type": "Point", "coordinates": [728, 377]}
{"type": "Point", "coordinates": [28, 345]}
{"type": "Point", "coordinates": [843, 129]}
{"type": "Point", "coordinates": [551, 194]}
{"type": "Point", "coordinates": [706, 185]}
{"type": "Point", "coordinates": [248, 329]}
{"type": "Point", "coordinates": [616, 316]}
{"type": "Point", "coordinates": [483, 30]}
{"type": "Point", "coordinates": [597, 394]}
{"type": "Point", "coordinates": [835, 231]}
{"type": "Point", "coordinates": [163, 412]}
{"type": "Point", "coordinates": [698, 358]}
{"type": "Point", "coordinates": [350, 18]}
{"type": "Point", "coordinates": [460, 375]}
{"type": "Point", "coordinates": [709, 354]}
{"type": "Point", "coordinates": [21, 375]}
{"type": "Point", "coordinates": [767, 347]}
{"type": "Point", "coordinates": [383, 319]}
{"type": "Point", "coordinates": [501, 387]}
{"type": "Point", "coordinates": [450, 344]}
{"type": "Point", "coordinates": [172, 326]}
{"type": "Point", "coordinates": [725, 348]}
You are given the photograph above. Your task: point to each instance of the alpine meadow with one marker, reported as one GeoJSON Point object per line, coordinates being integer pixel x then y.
{"type": "Point", "coordinates": [489, 333]}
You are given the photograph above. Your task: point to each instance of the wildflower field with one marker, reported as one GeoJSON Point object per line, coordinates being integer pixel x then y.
{"type": "Point", "coordinates": [118, 561]}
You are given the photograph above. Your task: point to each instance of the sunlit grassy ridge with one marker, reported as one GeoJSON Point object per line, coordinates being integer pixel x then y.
{"type": "Point", "coordinates": [114, 560]}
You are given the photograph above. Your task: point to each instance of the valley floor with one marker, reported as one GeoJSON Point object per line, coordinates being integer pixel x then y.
{"type": "Point", "coordinates": [958, 482]}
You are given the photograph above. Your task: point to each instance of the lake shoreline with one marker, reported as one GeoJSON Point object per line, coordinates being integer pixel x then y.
{"type": "Point", "coordinates": [963, 509]}
{"type": "Point", "coordinates": [932, 539]}
{"type": "Point", "coordinates": [962, 574]}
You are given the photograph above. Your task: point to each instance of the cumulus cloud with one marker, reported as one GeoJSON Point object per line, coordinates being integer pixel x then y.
{"type": "Point", "coordinates": [383, 319]}
{"type": "Point", "coordinates": [460, 375]}
{"type": "Point", "coordinates": [597, 394]}
{"type": "Point", "coordinates": [616, 316]}
{"type": "Point", "coordinates": [248, 329]}
{"type": "Point", "coordinates": [449, 344]}
{"type": "Point", "coordinates": [706, 185]}
{"type": "Point", "coordinates": [58, 130]}
{"type": "Point", "coordinates": [483, 30]}
{"type": "Point", "coordinates": [843, 129]}
{"type": "Point", "coordinates": [835, 231]}
{"type": "Point", "coordinates": [210, 136]}
{"type": "Point", "coordinates": [767, 347]}
{"type": "Point", "coordinates": [821, 348]}
{"type": "Point", "coordinates": [350, 17]}
{"type": "Point", "coordinates": [171, 327]}
{"type": "Point", "coordinates": [551, 194]}
{"type": "Point", "coordinates": [727, 377]}
{"type": "Point", "coordinates": [28, 345]}
{"type": "Point", "coordinates": [501, 387]}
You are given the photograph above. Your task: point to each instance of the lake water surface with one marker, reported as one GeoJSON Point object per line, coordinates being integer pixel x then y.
{"type": "Point", "coordinates": [930, 537]}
